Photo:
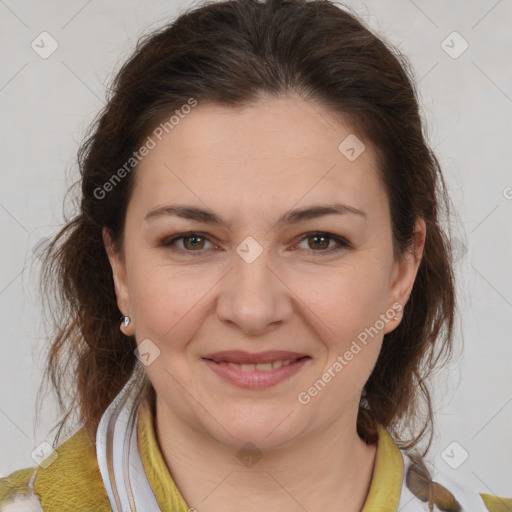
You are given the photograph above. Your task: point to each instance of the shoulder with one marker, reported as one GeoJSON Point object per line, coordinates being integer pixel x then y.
{"type": "Point", "coordinates": [496, 504]}
{"type": "Point", "coordinates": [67, 480]}
{"type": "Point", "coordinates": [445, 491]}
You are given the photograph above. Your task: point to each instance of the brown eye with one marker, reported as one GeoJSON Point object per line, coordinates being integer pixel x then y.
{"type": "Point", "coordinates": [319, 242]}
{"type": "Point", "coordinates": [322, 242]}
{"type": "Point", "coordinates": [187, 243]}
{"type": "Point", "coordinates": [193, 242]}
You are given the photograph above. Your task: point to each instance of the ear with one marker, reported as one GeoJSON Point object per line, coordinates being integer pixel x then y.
{"type": "Point", "coordinates": [119, 275]}
{"type": "Point", "coordinates": [404, 274]}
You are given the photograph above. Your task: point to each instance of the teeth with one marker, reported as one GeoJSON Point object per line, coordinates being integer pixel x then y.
{"type": "Point", "coordinates": [260, 367]}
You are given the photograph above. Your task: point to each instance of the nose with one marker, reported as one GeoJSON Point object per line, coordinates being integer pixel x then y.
{"type": "Point", "coordinates": [253, 296]}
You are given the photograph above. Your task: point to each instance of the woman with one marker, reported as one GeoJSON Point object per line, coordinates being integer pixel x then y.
{"type": "Point", "coordinates": [256, 286]}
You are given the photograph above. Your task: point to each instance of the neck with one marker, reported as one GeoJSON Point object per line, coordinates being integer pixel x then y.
{"type": "Point", "coordinates": [212, 476]}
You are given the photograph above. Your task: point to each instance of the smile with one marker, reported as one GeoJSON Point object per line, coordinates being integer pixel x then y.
{"type": "Point", "coordinates": [261, 367]}
{"type": "Point", "coordinates": [255, 371]}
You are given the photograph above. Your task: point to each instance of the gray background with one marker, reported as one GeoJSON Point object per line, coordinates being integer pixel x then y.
{"type": "Point", "coordinates": [46, 105]}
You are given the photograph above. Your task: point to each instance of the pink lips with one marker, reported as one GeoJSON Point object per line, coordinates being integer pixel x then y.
{"type": "Point", "coordinates": [227, 365]}
{"type": "Point", "coordinates": [241, 357]}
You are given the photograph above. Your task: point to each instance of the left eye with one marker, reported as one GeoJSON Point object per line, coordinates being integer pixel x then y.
{"type": "Point", "coordinates": [321, 241]}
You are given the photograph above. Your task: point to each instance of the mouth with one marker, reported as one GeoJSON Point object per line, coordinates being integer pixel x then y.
{"type": "Point", "coordinates": [256, 370]}
{"type": "Point", "coordinates": [260, 367]}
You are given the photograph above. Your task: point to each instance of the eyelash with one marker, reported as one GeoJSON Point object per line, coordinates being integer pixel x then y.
{"type": "Point", "coordinates": [343, 244]}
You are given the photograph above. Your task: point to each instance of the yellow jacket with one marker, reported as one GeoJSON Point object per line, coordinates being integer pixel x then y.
{"type": "Point", "coordinates": [73, 482]}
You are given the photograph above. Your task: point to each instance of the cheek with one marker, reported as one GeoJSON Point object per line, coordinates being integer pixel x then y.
{"type": "Point", "coordinates": [351, 308]}
{"type": "Point", "coordinates": [167, 301]}
{"type": "Point", "coordinates": [350, 298]}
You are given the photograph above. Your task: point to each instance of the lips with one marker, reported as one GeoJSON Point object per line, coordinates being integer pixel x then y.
{"type": "Point", "coordinates": [260, 367]}
{"type": "Point", "coordinates": [240, 357]}
{"type": "Point", "coordinates": [257, 370]}
{"type": "Point", "coordinates": [260, 375]}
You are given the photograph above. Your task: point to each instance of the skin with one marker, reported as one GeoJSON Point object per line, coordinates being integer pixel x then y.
{"type": "Point", "coordinates": [250, 166]}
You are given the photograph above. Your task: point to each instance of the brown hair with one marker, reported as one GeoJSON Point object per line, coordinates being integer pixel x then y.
{"type": "Point", "coordinates": [233, 53]}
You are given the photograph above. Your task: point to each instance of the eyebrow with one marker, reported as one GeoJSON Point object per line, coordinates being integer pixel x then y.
{"type": "Point", "coordinates": [292, 217]}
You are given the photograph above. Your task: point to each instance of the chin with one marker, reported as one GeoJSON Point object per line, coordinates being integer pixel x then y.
{"type": "Point", "coordinates": [265, 429]}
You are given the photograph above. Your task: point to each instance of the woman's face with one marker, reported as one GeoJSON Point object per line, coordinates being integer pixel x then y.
{"type": "Point", "coordinates": [290, 260]}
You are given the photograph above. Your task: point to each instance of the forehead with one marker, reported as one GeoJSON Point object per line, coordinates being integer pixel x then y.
{"type": "Point", "coordinates": [277, 150]}
{"type": "Point", "coordinates": [275, 126]}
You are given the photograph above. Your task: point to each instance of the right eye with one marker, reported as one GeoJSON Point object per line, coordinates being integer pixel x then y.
{"type": "Point", "coordinates": [192, 242]}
